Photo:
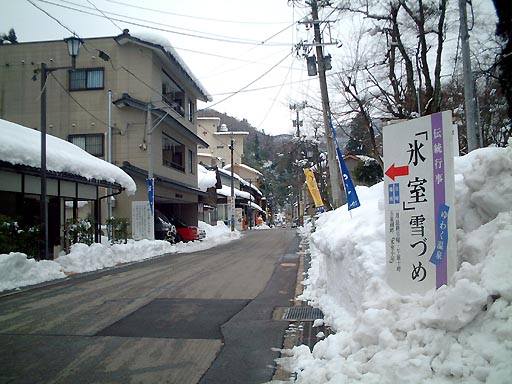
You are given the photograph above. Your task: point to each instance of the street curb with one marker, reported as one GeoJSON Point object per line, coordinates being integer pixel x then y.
{"type": "Point", "coordinates": [291, 336]}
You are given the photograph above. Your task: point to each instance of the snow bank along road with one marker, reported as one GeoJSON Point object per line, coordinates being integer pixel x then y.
{"type": "Point", "coordinates": [183, 318]}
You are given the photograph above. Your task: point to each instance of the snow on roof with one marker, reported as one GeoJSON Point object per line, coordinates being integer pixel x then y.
{"type": "Point", "coordinates": [228, 166]}
{"type": "Point", "coordinates": [234, 133]}
{"type": "Point", "coordinates": [240, 179]}
{"type": "Point", "coordinates": [205, 178]}
{"type": "Point", "coordinates": [367, 160]}
{"type": "Point", "coordinates": [250, 169]}
{"type": "Point", "coordinates": [22, 145]}
{"type": "Point", "coordinates": [228, 173]}
{"type": "Point", "coordinates": [256, 206]}
{"type": "Point", "coordinates": [226, 191]}
{"type": "Point", "coordinates": [157, 39]}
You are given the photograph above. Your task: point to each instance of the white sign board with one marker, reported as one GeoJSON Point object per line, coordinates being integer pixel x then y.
{"type": "Point", "coordinates": [419, 201]}
{"type": "Point", "coordinates": [142, 221]}
{"type": "Point", "coordinates": [231, 211]}
{"type": "Point", "coordinates": [238, 218]}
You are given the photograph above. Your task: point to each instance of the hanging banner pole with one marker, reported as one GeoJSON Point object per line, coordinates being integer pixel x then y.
{"type": "Point", "coordinates": [313, 189]}
{"type": "Point", "coordinates": [350, 190]}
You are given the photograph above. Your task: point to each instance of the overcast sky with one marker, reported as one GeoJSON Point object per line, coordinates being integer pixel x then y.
{"type": "Point", "coordinates": [230, 45]}
{"type": "Point", "coordinates": [242, 51]}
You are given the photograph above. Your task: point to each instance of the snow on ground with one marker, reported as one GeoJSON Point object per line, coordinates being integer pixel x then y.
{"type": "Point", "coordinates": [16, 270]}
{"type": "Point", "coordinates": [456, 334]}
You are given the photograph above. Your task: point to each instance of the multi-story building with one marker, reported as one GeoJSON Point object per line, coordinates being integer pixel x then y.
{"type": "Point", "coordinates": [218, 137]}
{"type": "Point", "coordinates": [153, 110]}
{"type": "Point", "coordinates": [246, 179]}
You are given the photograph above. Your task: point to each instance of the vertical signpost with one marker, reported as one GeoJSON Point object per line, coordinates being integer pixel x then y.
{"type": "Point", "coordinates": [151, 199]}
{"type": "Point", "coordinates": [419, 201]}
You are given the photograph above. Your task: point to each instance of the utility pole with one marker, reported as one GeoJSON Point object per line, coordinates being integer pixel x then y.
{"type": "Point", "coordinates": [109, 158]}
{"type": "Point", "coordinates": [150, 181]}
{"type": "Point", "coordinates": [43, 209]}
{"type": "Point", "coordinates": [469, 94]}
{"type": "Point", "coordinates": [232, 202]}
{"type": "Point", "coordinates": [334, 175]}
{"type": "Point", "coordinates": [298, 107]}
{"type": "Point", "coordinates": [298, 123]}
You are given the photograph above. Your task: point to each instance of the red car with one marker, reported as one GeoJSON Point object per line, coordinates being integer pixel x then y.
{"type": "Point", "coordinates": [186, 232]}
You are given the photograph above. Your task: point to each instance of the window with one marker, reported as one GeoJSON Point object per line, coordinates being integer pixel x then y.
{"type": "Point", "coordinates": [222, 212]}
{"type": "Point", "coordinates": [92, 143]}
{"type": "Point", "coordinates": [173, 153]}
{"type": "Point", "coordinates": [190, 161]}
{"type": "Point", "coordinates": [83, 79]}
{"type": "Point", "coordinates": [191, 111]}
{"type": "Point", "coordinates": [172, 94]}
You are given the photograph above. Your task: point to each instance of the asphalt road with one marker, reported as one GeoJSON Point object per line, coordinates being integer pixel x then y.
{"type": "Point", "coordinates": [203, 317]}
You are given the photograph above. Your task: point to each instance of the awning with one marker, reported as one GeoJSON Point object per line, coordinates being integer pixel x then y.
{"type": "Point", "coordinates": [127, 100]}
{"type": "Point", "coordinates": [133, 170]}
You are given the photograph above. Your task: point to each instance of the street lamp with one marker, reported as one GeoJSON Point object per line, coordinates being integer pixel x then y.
{"type": "Point", "coordinates": [73, 43]}
{"type": "Point", "coordinates": [73, 48]}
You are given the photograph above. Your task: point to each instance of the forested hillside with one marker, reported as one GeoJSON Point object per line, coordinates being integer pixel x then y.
{"type": "Point", "coordinates": [274, 156]}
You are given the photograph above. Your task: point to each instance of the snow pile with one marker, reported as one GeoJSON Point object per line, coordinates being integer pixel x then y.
{"type": "Point", "coordinates": [86, 258]}
{"type": "Point", "coordinates": [261, 226]}
{"type": "Point", "coordinates": [16, 270]}
{"type": "Point", "coordinates": [22, 145]}
{"type": "Point", "coordinates": [205, 178]}
{"type": "Point", "coordinates": [456, 334]}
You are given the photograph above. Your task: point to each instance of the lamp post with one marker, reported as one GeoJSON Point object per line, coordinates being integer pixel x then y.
{"type": "Point", "coordinates": [73, 48]}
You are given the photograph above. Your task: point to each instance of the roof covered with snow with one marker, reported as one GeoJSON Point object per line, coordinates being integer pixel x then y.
{"type": "Point", "coordinates": [205, 178]}
{"type": "Point", "coordinates": [22, 146]}
{"type": "Point", "coordinates": [159, 42]}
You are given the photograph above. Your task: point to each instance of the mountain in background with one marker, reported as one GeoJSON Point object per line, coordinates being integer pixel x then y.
{"type": "Point", "coordinates": [273, 156]}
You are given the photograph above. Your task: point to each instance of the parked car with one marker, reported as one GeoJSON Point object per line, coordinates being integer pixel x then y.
{"type": "Point", "coordinates": [164, 229]}
{"type": "Point", "coordinates": [185, 232]}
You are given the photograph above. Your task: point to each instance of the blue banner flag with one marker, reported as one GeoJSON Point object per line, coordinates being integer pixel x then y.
{"type": "Point", "coordinates": [350, 191]}
{"type": "Point", "coordinates": [151, 193]}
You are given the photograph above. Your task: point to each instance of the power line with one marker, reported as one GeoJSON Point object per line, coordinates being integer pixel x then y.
{"type": "Point", "coordinates": [50, 16]}
{"type": "Point", "coordinates": [243, 89]}
{"type": "Point", "coordinates": [251, 83]}
{"type": "Point", "coordinates": [273, 101]}
{"type": "Point", "coordinates": [195, 17]}
{"type": "Point", "coordinates": [276, 96]}
{"type": "Point", "coordinates": [225, 39]}
{"type": "Point", "coordinates": [76, 101]}
{"type": "Point", "coordinates": [248, 61]}
{"type": "Point", "coordinates": [103, 13]}
{"type": "Point", "coordinates": [264, 88]}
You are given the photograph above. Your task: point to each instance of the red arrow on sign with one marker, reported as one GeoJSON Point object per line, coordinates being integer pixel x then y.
{"type": "Point", "coordinates": [393, 171]}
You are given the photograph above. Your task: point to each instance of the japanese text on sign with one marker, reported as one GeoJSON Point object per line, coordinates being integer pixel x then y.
{"type": "Point", "coordinates": [419, 194]}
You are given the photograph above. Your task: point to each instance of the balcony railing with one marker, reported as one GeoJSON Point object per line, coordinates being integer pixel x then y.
{"type": "Point", "coordinates": [167, 99]}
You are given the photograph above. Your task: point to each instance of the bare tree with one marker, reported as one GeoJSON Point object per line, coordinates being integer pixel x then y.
{"type": "Point", "coordinates": [393, 70]}
{"type": "Point", "coordinates": [412, 42]}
